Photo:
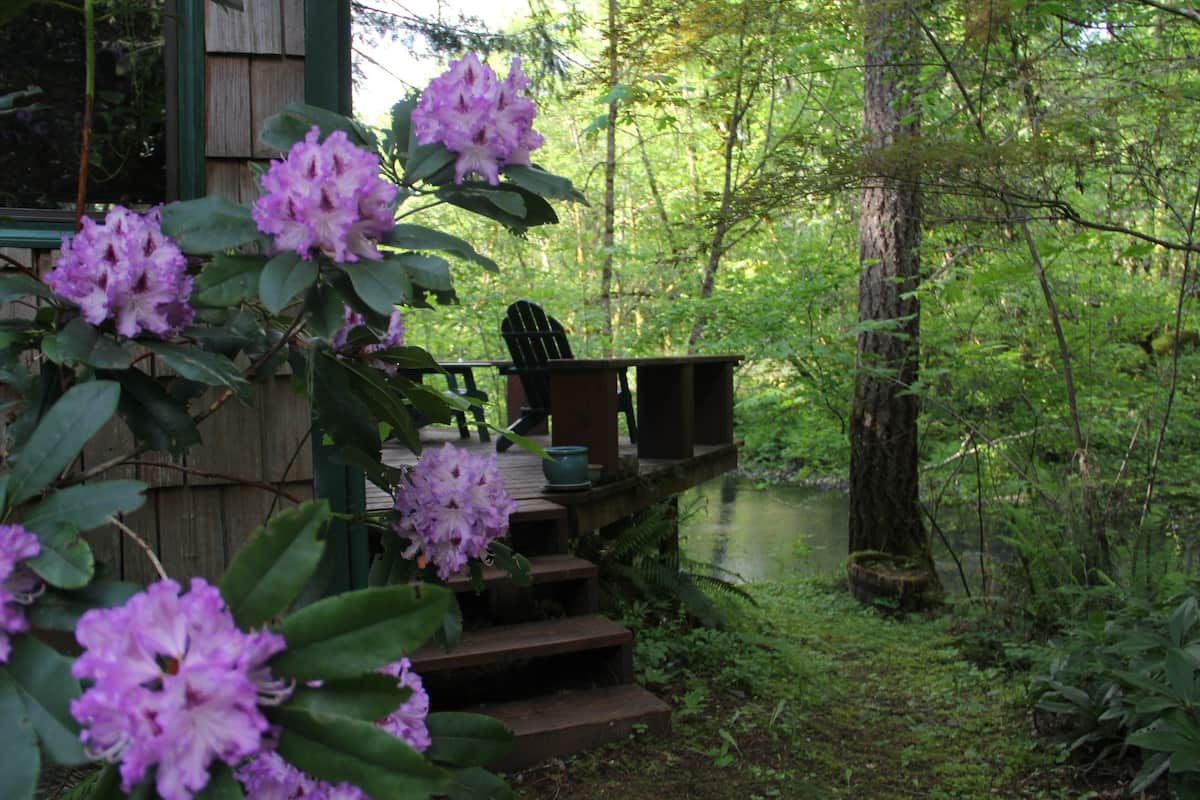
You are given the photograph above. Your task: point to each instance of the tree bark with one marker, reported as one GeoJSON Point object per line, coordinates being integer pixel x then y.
{"type": "Point", "coordinates": [884, 506]}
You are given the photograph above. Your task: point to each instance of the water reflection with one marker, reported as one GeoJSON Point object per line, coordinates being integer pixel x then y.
{"type": "Point", "coordinates": [765, 534]}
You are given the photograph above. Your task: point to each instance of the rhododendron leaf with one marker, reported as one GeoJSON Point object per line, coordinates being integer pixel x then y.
{"type": "Point", "coordinates": [15, 285]}
{"type": "Point", "coordinates": [416, 237]}
{"type": "Point", "coordinates": [426, 160]}
{"type": "Point", "coordinates": [537, 210]}
{"type": "Point", "coordinates": [209, 225]}
{"type": "Point", "coordinates": [43, 679]}
{"type": "Point", "coordinates": [19, 756]}
{"type": "Point", "coordinates": [380, 284]}
{"type": "Point", "coordinates": [406, 357]}
{"type": "Point", "coordinates": [66, 560]}
{"type": "Point", "coordinates": [369, 697]}
{"type": "Point", "coordinates": [269, 571]}
{"type": "Point", "coordinates": [60, 435]}
{"type": "Point", "coordinates": [153, 416]}
{"type": "Point", "coordinates": [86, 507]}
{"type": "Point", "coordinates": [543, 183]}
{"type": "Point", "coordinates": [284, 277]}
{"type": "Point", "coordinates": [195, 364]}
{"type": "Point", "coordinates": [60, 610]}
{"type": "Point", "coordinates": [335, 749]}
{"type": "Point", "coordinates": [79, 341]}
{"type": "Point", "coordinates": [228, 280]}
{"type": "Point", "coordinates": [221, 785]}
{"type": "Point", "coordinates": [293, 123]}
{"type": "Point", "coordinates": [466, 740]}
{"type": "Point", "coordinates": [343, 636]}
{"type": "Point", "coordinates": [512, 562]}
{"type": "Point", "coordinates": [430, 272]}
{"type": "Point", "coordinates": [473, 783]}
{"type": "Point", "coordinates": [340, 413]}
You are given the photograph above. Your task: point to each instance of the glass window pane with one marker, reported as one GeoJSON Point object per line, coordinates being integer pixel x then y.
{"type": "Point", "coordinates": [42, 72]}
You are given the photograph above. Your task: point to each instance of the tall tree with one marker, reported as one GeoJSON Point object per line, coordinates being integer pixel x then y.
{"type": "Point", "coordinates": [884, 507]}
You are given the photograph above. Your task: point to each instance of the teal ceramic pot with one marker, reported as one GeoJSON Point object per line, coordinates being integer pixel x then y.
{"type": "Point", "coordinates": [569, 466]}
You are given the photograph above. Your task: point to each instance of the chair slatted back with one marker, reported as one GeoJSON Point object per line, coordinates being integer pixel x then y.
{"type": "Point", "coordinates": [533, 338]}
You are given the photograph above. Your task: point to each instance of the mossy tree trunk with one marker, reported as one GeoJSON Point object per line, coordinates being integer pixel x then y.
{"type": "Point", "coordinates": [884, 510]}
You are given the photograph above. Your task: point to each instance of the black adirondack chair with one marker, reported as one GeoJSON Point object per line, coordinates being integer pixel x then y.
{"type": "Point", "coordinates": [533, 338]}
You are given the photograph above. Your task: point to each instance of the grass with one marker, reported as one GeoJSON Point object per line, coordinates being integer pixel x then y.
{"type": "Point", "coordinates": [810, 695]}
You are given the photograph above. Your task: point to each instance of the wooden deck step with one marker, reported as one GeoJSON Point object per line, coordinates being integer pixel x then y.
{"type": "Point", "coordinates": [567, 722]}
{"type": "Point", "coordinates": [542, 569]}
{"type": "Point", "coordinates": [527, 640]}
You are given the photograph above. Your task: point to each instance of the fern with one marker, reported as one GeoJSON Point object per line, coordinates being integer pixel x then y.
{"type": "Point", "coordinates": [641, 559]}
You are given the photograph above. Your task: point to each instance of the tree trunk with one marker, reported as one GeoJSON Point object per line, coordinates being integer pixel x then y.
{"type": "Point", "coordinates": [884, 507]}
{"type": "Point", "coordinates": [610, 175]}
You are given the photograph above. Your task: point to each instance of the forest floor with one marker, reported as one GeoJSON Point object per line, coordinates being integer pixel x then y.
{"type": "Point", "coordinates": [810, 695]}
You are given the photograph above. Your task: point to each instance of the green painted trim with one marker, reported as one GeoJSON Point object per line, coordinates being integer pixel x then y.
{"type": "Point", "coordinates": [190, 57]}
{"type": "Point", "coordinates": [327, 84]}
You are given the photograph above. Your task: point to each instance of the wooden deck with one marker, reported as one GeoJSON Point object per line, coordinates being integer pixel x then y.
{"type": "Point", "coordinates": [611, 501]}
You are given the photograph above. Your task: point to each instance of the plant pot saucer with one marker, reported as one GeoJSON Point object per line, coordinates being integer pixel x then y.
{"type": "Point", "coordinates": [567, 487]}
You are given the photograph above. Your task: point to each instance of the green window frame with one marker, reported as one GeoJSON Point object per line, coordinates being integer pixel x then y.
{"type": "Point", "coordinates": [183, 29]}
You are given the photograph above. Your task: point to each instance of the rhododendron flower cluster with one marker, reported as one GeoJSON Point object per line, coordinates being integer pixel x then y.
{"type": "Point", "coordinates": [451, 507]}
{"type": "Point", "coordinates": [486, 121]}
{"type": "Point", "coordinates": [326, 197]}
{"type": "Point", "coordinates": [268, 776]}
{"type": "Point", "coordinates": [18, 584]}
{"type": "Point", "coordinates": [125, 270]}
{"type": "Point", "coordinates": [173, 683]}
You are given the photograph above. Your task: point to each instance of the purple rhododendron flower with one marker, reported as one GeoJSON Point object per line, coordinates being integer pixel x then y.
{"type": "Point", "coordinates": [268, 777]}
{"type": "Point", "coordinates": [486, 121]}
{"type": "Point", "coordinates": [326, 197]}
{"type": "Point", "coordinates": [173, 683]}
{"type": "Point", "coordinates": [128, 271]}
{"type": "Point", "coordinates": [451, 507]}
{"type": "Point", "coordinates": [18, 584]}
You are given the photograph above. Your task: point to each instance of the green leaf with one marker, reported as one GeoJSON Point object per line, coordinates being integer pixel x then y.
{"type": "Point", "coordinates": [369, 697]}
{"type": "Point", "coordinates": [19, 756]}
{"type": "Point", "coordinates": [543, 183]}
{"type": "Point", "coordinates": [342, 636]}
{"type": "Point", "coordinates": [199, 365]}
{"type": "Point", "coordinates": [426, 160]}
{"type": "Point", "coordinates": [335, 749]}
{"type": "Point", "coordinates": [291, 125]}
{"type": "Point", "coordinates": [380, 284]}
{"type": "Point", "coordinates": [153, 416]}
{"type": "Point", "coordinates": [340, 413]}
{"type": "Point", "coordinates": [78, 341]}
{"type": "Point", "coordinates": [430, 272]}
{"type": "Point", "coordinates": [43, 678]}
{"type": "Point", "coordinates": [66, 560]}
{"type": "Point", "coordinates": [474, 783]}
{"type": "Point", "coordinates": [15, 285]}
{"type": "Point", "coordinates": [466, 740]}
{"type": "Point", "coordinates": [284, 277]}
{"type": "Point", "coordinates": [416, 237]}
{"type": "Point", "coordinates": [60, 610]}
{"type": "Point", "coordinates": [209, 225]}
{"type": "Point", "coordinates": [274, 565]}
{"type": "Point", "coordinates": [86, 507]}
{"type": "Point", "coordinates": [221, 785]}
{"type": "Point", "coordinates": [60, 436]}
{"type": "Point", "coordinates": [227, 280]}
{"type": "Point", "coordinates": [537, 210]}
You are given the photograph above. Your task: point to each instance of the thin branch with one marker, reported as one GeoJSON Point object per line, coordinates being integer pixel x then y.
{"type": "Point", "coordinates": [145, 548]}
{"type": "Point", "coordinates": [266, 487]}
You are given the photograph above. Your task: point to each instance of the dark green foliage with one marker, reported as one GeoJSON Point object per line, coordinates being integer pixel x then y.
{"type": "Point", "coordinates": [1129, 683]}
{"type": "Point", "coordinates": [640, 559]}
